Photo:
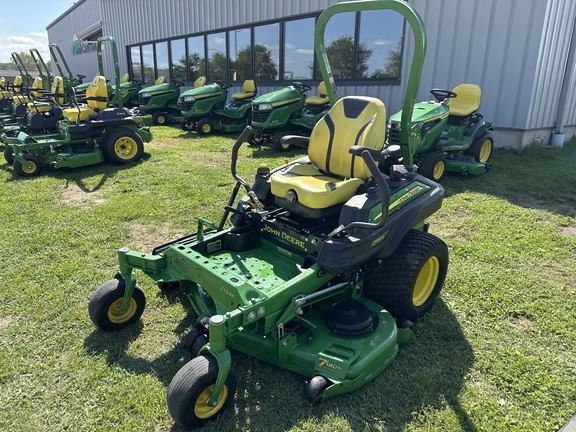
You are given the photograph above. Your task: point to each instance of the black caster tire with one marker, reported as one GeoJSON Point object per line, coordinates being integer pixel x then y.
{"type": "Point", "coordinates": [105, 301]}
{"type": "Point", "coordinates": [315, 388]}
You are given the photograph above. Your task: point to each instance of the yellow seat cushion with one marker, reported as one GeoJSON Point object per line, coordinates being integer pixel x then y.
{"type": "Point", "coordinates": [39, 106]}
{"type": "Point", "coordinates": [19, 99]}
{"type": "Point", "coordinates": [314, 189]}
{"type": "Point", "coordinates": [72, 114]}
{"type": "Point", "coordinates": [467, 100]}
{"type": "Point", "coordinates": [249, 91]}
{"type": "Point", "coordinates": [319, 100]}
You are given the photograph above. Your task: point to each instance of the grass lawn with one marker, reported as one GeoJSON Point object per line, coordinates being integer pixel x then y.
{"type": "Point", "coordinates": [496, 353]}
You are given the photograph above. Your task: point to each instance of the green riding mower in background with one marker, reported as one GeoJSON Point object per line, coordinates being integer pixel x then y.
{"type": "Point", "coordinates": [203, 108]}
{"type": "Point", "coordinates": [287, 111]}
{"type": "Point", "coordinates": [161, 101]}
{"type": "Point", "coordinates": [89, 134]}
{"type": "Point", "coordinates": [452, 135]}
{"type": "Point", "coordinates": [321, 267]}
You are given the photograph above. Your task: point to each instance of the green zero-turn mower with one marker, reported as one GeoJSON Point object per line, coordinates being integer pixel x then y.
{"type": "Point", "coordinates": [287, 111]}
{"type": "Point", "coordinates": [161, 101]}
{"type": "Point", "coordinates": [89, 134]}
{"type": "Point", "coordinates": [452, 133]}
{"type": "Point", "coordinates": [320, 268]}
{"type": "Point", "coordinates": [203, 108]}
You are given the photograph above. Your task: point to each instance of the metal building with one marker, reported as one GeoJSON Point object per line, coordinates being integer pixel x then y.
{"type": "Point", "coordinates": [518, 51]}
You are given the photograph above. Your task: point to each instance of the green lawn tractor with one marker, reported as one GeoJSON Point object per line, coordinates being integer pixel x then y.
{"type": "Point", "coordinates": [161, 101]}
{"type": "Point", "coordinates": [131, 89]}
{"type": "Point", "coordinates": [321, 267]}
{"type": "Point", "coordinates": [287, 111]}
{"type": "Point", "coordinates": [453, 135]}
{"type": "Point", "coordinates": [203, 108]}
{"type": "Point", "coordinates": [89, 134]}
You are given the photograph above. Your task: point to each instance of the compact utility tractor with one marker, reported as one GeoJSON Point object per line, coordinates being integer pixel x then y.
{"type": "Point", "coordinates": [203, 108]}
{"type": "Point", "coordinates": [286, 112]}
{"type": "Point", "coordinates": [321, 267]}
{"type": "Point", "coordinates": [90, 133]}
{"type": "Point", "coordinates": [453, 135]}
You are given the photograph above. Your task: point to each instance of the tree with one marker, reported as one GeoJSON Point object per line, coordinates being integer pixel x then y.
{"type": "Point", "coordinates": [340, 54]}
{"type": "Point", "coordinates": [217, 66]}
{"type": "Point", "coordinates": [196, 65]}
{"type": "Point", "coordinates": [393, 65]}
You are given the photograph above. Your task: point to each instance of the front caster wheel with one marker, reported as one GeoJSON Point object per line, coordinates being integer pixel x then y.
{"type": "Point", "coordinates": [104, 303]}
{"type": "Point", "coordinates": [30, 169]}
{"type": "Point", "coordinates": [191, 388]}
{"type": "Point", "coordinates": [315, 388]}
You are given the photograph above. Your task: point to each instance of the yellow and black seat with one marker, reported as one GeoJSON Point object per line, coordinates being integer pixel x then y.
{"type": "Point", "coordinates": [96, 98]}
{"type": "Point", "coordinates": [319, 188]}
{"type": "Point", "coordinates": [319, 100]}
{"type": "Point", "coordinates": [56, 97]}
{"type": "Point", "coordinates": [35, 91]}
{"type": "Point", "coordinates": [466, 102]}
{"type": "Point", "coordinates": [248, 93]}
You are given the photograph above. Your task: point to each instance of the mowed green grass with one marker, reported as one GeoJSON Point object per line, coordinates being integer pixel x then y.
{"type": "Point", "coordinates": [496, 353]}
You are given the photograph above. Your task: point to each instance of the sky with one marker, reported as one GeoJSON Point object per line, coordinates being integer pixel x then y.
{"type": "Point", "coordinates": [27, 29]}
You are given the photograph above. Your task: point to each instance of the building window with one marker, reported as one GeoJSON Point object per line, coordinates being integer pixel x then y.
{"type": "Point", "coordinates": [196, 62]}
{"type": "Point", "coordinates": [136, 62]}
{"type": "Point", "coordinates": [148, 63]}
{"type": "Point", "coordinates": [266, 52]}
{"type": "Point", "coordinates": [380, 44]}
{"type": "Point", "coordinates": [217, 58]}
{"type": "Point", "coordinates": [178, 59]}
{"type": "Point", "coordinates": [360, 46]}
{"type": "Point", "coordinates": [162, 68]}
{"type": "Point", "coordinates": [299, 49]}
{"type": "Point", "coordinates": [240, 49]}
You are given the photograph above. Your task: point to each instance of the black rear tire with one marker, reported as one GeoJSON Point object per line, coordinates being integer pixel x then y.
{"type": "Point", "coordinates": [279, 146]}
{"type": "Point", "coordinates": [481, 148]}
{"type": "Point", "coordinates": [123, 146]}
{"type": "Point", "coordinates": [190, 389]}
{"type": "Point", "coordinates": [408, 282]}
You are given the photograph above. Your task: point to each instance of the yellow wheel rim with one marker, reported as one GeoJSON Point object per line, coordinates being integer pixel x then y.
{"type": "Point", "coordinates": [426, 281]}
{"type": "Point", "coordinates": [485, 150]}
{"type": "Point", "coordinates": [30, 170]}
{"type": "Point", "coordinates": [161, 120]}
{"type": "Point", "coordinates": [284, 145]}
{"type": "Point", "coordinates": [206, 128]}
{"type": "Point", "coordinates": [125, 147]}
{"type": "Point", "coordinates": [439, 170]}
{"type": "Point", "coordinates": [204, 411]}
{"type": "Point", "coordinates": [118, 318]}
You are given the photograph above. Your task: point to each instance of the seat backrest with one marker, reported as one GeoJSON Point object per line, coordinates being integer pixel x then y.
{"type": "Point", "coordinates": [37, 85]}
{"type": "Point", "coordinates": [57, 88]}
{"type": "Point", "coordinates": [353, 120]}
{"type": "Point", "coordinates": [2, 83]}
{"type": "Point", "coordinates": [97, 89]}
{"type": "Point", "coordinates": [160, 80]}
{"type": "Point", "coordinates": [467, 100]}
{"type": "Point", "coordinates": [200, 82]}
{"type": "Point", "coordinates": [322, 89]}
{"type": "Point", "coordinates": [17, 86]}
{"type": "Point", "coordinates": [249, 86]}
{"type": "Point", "coordinates": [125, 78]}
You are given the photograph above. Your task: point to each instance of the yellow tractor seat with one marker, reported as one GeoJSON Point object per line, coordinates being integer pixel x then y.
{"type": "Point", "coordinates": [160, 80]}
{"type": "Point", "coordinates": [319, 100]}
{"type": "Point", "coordinates": [467, 101]}
{"type": "Point", "coordinates": [96, 97]}
{"type": "Point", "coordinates": [333, 174]}
{"type": "Point", "coordinates": [20, 99]}
{"type": "Point", "coordinates": [248, 93]}
{"type": "Point", "coordinates": [4, 93]}
{"type": "Point", "coordinates": [17, 85]}
{"type": "Point", "coordinates": [125, 78]}
{"type": "Point", "coordinates": [37, 87]}
{"type": "Point", "coordinates": [56, 97]}
{"type": "Point", "coordinates": [200, 82]}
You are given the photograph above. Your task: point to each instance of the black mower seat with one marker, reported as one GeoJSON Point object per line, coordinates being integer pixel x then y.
{"type": "Point", "coordinates": [334, 174]}
{"type": "Point", "coordinates": [319, 100]}
{"type": "Point", "coordinates": [97, 99]}
{"type": "Point", "coordinates": [248, 93]}
{"type": "Point", "coordinates": [467, 101]}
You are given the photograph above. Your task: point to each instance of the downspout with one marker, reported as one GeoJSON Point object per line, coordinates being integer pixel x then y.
{"type": "Point", "coordinates": [557, 139]}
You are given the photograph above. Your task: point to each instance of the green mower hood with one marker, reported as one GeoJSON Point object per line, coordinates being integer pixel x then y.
{"type": "Point", "coordinates": [278, 98]}
{"type": "Point", "coordinates": [423, 112]}
{"type": "Point", "coordinates": [209, 90]}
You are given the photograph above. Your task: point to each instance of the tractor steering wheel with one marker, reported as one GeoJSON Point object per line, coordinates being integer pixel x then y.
{"type": "Point", "coordinates": [177, 83]}
{"type": "Point", "coordinates": [224, 84]}
{"type": "Point", "coordinates": [138, 82]}
{"type": "Point", "coordinates": [440, 94]}
{"type": "Point", "coordinates": [302, 88]}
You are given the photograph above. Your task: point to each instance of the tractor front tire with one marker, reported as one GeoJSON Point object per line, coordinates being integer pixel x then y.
{"type": "Point", "coordinates": [481, 148]}
{"type": "Point", "coordinates": [123, 146]}
{"type": "Point", "coordinates": [408, 282]}
{"type": "Point", "coordinates": [187, 125]}
{"type": "Point", "coordinates": [433, 166]}
{"type": "Point", "coordinates": [190, 389]}
{"type": "Point", "coordinates": [104, 303]}
{"type": "Point", "coordinates": [23, 170]}
{"type": "Point", "coordinates": [277, 144]}
{"type": "Point", "coordinates": [205, 127]}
